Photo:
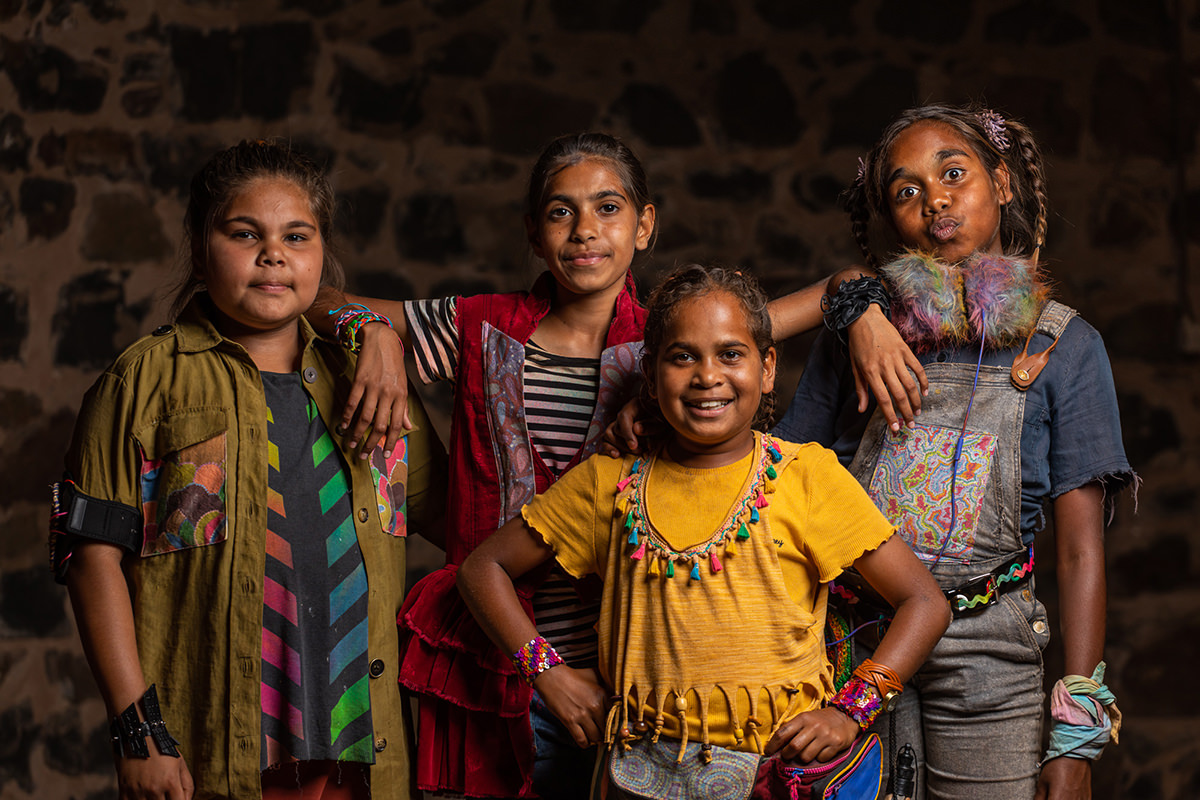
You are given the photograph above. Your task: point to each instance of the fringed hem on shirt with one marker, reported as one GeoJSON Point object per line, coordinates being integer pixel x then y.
{"type": "Point", "coordinates": [752, 727]}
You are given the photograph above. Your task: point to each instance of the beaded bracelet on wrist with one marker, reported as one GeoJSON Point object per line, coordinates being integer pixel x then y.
{"type": "Point", "coordinates": [351, 319]}
{"type": "Point", "coordinates": [859, 701]}
{"type": "Point", "coordinates": [535, 657]}
{"type": "Point", "coordinates": [851, 300]}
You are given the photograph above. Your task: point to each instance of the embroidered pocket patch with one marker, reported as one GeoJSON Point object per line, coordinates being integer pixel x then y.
{"type": "Point", "coordinates": [911, 486]}
{"type": "Point", "coordinates": [390, 478]}
{"type": "Point", "coordinates": [183, 497]}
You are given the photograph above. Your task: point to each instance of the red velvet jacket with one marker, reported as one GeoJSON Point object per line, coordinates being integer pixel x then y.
{"type": "Point", "coordinates": [472, 704]}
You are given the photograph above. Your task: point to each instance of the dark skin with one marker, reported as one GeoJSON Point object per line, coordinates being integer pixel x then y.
{"type": "Point", "coordinates": [376, 410]}
{"type": "Point", "coordinates": [104, 615]}
{"type": "Point", "coordinates": [935, 175]}
{"type": "Point", "coordinates": [884, 366]}
{"type": "Point", "coordinates": [1079, 532]}
{"type": "Point", "coordinates": [578, 698]}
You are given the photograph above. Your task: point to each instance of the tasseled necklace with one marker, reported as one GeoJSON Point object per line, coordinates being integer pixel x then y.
{"type": "Point", "coordinates": [647, 543]}
{"type": "Point", "coordinates": [937, 305]}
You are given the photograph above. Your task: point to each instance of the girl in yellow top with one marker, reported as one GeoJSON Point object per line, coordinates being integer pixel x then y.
{"type": "Point", "coordinates": [714, 549]}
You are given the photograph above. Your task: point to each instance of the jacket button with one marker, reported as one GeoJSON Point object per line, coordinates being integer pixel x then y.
{"type": "Point", "coordinates": [163, 330]}
{"type": "Point", "coordinates": [380, 744]}
{"type": "Point", "coordinates": [1039, 626]}
{"type": "Point", "coordinates": [310, 375]}
{"type": "Point", "coordinates": [377, 668]}
{"type": "Point", "coordinates": [363, 515]}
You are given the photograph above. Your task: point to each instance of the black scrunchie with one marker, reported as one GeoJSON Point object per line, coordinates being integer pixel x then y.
{"type": "Point", "coordinates": [850, 302]}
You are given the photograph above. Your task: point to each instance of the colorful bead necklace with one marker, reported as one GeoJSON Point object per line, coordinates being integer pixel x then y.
{"type": "Point", "coordinates": [647, 543]}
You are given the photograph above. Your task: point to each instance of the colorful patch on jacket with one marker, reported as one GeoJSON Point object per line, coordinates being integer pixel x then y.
{"type": "Point", "coordinates": [389, 476]}
{"type": "Point", "coordinates": [183, 497]}
{"type": "Point", "coordinates": [620, 371]}
{"type": "Point", "coordinates": [503, 365]}
{"type": "Point", "coordinates": [911, 486]}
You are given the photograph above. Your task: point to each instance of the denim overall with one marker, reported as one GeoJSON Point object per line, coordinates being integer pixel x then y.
{"type": "Point", "coordinates": [973, 712]}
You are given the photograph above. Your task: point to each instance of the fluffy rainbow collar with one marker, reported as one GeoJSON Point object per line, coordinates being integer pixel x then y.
{"type": "Point", "coordinates": [937, 305]}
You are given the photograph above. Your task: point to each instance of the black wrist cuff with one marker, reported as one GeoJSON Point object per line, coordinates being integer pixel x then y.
{"type": "Point", "coordinates": [129, 732]}
{"type": "Point", "coordinates": [850, 302]}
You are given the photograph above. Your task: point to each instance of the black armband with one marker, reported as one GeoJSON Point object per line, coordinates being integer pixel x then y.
{"type": "Point", "coordinates": [850, 302]}
{"type": "Point", "coordinates": [129, 732]}
{"type": "Point", "coordinates": [74, 517]}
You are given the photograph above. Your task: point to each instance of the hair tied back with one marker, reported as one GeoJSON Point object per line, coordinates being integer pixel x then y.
{"type": "Point", "coordinates": [997, 132]}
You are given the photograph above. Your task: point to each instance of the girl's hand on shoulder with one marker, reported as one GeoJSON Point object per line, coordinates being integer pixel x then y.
{"type": "Point", "coordinates": [881, 362]}
{"type": "Point", "coordinates": [624, 435]}
{"type": "Point", "coordinates": [377, 410]}
{"type": "Point", "coordinates": [818, 735]}
{"type": "Point", "coordinates": [576, 697]}
{"type": "Point", "coordinates": [1065, 778]}
{"type": "Point", "coordinates": [158, 777]}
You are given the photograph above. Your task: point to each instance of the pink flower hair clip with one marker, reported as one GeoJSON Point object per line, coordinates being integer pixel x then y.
{"type": "Point", "coordinates": [996, 130]}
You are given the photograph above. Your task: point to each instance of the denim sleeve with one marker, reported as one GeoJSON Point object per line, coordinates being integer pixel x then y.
{"type": "Point", "coordinates": [824, 408]}
{"type": "Point", "coordinates": [1085, 424]}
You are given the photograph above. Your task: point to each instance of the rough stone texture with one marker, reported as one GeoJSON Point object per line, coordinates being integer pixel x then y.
{"type": "Point", "coordinates": [749, 116]}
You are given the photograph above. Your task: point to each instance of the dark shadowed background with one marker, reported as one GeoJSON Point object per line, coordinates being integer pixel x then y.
{"type": "Point", "coordinates": [749, 116]}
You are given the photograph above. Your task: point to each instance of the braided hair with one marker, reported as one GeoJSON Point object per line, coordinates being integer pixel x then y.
{"type": "Point", "coordinates": [996, 141]}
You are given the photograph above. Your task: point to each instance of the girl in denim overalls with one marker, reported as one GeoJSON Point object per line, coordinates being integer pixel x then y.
{"type": "Point", "coordinates": [1021, 408]}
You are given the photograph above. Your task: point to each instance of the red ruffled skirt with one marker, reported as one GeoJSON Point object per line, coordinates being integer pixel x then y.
{"type": "Point", "coordinates": [473, 735]}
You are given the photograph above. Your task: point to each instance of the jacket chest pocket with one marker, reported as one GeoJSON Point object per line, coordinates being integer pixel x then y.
{"type": "Point", "coordinates": [389, 476]}
{"type": "Point", "coordinates": [182, 477]}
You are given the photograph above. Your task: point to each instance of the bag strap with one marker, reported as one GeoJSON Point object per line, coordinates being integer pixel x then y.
{"type": "Point", "coordinates": [1052, 322]}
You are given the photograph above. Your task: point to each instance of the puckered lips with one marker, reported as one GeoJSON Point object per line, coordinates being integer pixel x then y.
{"type": "Point", "coordinates": [943, 229]}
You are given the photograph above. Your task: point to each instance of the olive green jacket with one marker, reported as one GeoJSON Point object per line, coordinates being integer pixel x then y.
{"type": "Point", "coordinates": [189, 402]}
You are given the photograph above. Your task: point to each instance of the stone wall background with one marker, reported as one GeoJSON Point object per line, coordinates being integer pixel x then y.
{"type": "Point", "coordinates": [749, 117]}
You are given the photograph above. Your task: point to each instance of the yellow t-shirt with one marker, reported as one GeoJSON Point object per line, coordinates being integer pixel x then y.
{"type": "Point", "coordinates": [745, 641]}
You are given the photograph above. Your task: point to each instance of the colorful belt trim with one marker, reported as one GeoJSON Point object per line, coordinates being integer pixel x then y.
{"type": "Point", "coordinates": [983, 590]}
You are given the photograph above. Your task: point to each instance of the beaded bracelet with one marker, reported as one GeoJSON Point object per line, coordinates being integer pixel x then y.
{"type": "Point", "coordinates": [351, 321]}
{"type": "Point", "coordinates": [850, 301]}
{"type": "Point", "coordinates": [535, 657]}
{"type": "Point", "coordinates": [859, 701]}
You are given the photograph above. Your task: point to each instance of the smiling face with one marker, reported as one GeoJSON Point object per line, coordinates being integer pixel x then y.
{"type": "Point", "coordinates": [709, 379]}
{"type": "Point", "coordinates": [264, 258]}
{"type": "Point", "coordinates": [588, 229]}
{"type": "Point", "coordinates": [943, 200]}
